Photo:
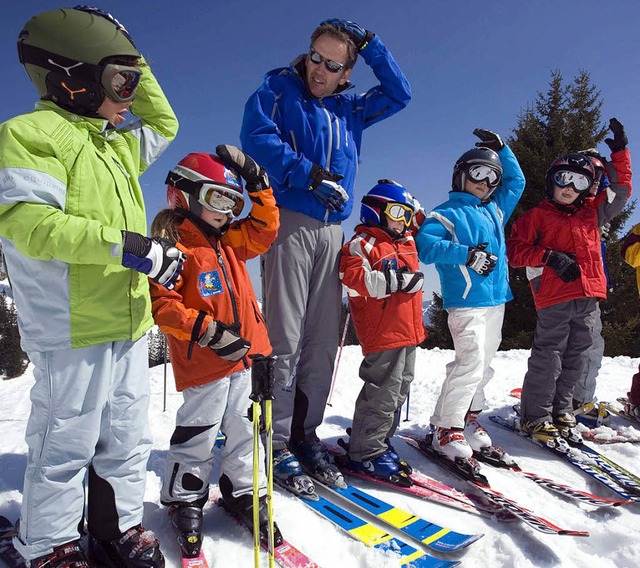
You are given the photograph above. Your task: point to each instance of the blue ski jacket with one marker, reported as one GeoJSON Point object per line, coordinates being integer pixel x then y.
{"type": "Point", "coordinates": [465, 221]}
{"type": "Point", "coordinates": [287, 130]}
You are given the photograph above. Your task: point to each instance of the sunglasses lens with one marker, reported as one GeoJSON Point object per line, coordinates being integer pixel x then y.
{"type": "Point", "coordinates": [579, 182]}
{"type": "Point", "coordinates": [331, 65]}
{"type": "Point", "coordinates": [485, 173]}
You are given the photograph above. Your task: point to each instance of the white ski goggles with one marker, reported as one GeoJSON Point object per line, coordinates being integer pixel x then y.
{"type": "Point", "coordinates": [479, 173]}
{"type": "Point", "coordinates": [579, 182]}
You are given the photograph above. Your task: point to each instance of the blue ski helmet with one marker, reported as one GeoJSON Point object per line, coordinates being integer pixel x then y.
{"type": "Point", "coordinates": [373, 204]}
{"type": "Point", "coordinates": [475, 156]}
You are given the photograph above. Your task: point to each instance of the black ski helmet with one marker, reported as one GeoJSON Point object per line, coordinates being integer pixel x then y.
{"type": "Point", "coordinates": [64, 51]}
{"type": "Point", "coordinates": [574, 162]}
{"type": "Point", "coordinates": [483, 156]}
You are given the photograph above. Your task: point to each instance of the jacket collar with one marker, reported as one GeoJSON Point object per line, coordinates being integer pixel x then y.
{"type": "Point", "coordinates": [97, 125]}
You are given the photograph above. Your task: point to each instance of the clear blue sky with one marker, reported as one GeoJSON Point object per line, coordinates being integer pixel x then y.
{"type": "Point", "coordinates": [471, 64]}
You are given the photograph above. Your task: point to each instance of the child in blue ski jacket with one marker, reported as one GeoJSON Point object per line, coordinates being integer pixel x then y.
{"type": "Point", "coordinates": [464, 238]}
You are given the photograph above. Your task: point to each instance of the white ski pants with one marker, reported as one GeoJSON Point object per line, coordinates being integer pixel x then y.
{"type": "Point", "coordinates": [218, 405]}
{"type": "Point", "coordinates": [89, 412]}
{"type": "Point", "coordinates": [477, 333]}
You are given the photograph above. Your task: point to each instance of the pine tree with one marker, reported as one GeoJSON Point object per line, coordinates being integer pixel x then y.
{"type": "Point", "coordinates": [13, 360]}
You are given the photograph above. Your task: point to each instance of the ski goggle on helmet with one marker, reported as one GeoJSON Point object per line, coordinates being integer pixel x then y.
{"type": "Point", "coordinates": [399, 212]}
{"type": "Point", "coordinates": [481, 172]}
{"type": "Point", "coordinates": [204, 178]}
{"type": "Point", "coordinates": [579, 182]}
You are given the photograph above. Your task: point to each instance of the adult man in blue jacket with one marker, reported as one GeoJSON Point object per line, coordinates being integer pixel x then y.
{"type": "Point", "coordinates": [306, 130]}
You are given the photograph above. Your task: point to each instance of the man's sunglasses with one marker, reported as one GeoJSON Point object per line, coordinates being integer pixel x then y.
{"type": "Point", "coordinates": [579, 182]}
{"type": "Point", "coordinates": [332, 66]}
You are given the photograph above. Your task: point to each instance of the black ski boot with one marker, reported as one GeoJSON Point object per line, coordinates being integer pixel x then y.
{"type": "Point", "coordinates": [68, 555]}
{"type": "Point", "coordinates": [242, 508]}
{"type": "Point", "coordinates": [136, 548]}
{"type": "Point", "coordinates": [186, 520]}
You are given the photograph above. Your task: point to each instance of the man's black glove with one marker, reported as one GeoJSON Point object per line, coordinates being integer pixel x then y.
{"type": "Point", "coordinates": [360, 36]}
{"type": "Point", "coordinates": [488, 139]}
{"type": "Point", "coordinates": [565, 265]}
{"type": "Point", "coordinates": [255, 177]}
{"type": "Point", "coordinates": [158, 258]}
{"type": "Point", "coordinates": [327, 190]}
{"type": "Point", "coordinates": [225, 341]}
{"type": "Point", "coordinates": [619, 141]}
{"type": "Point", "coordinates": [480, 260]}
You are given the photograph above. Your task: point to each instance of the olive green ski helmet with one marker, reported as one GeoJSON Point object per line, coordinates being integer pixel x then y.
{"type": "Point", "coordinates": [63, 52]}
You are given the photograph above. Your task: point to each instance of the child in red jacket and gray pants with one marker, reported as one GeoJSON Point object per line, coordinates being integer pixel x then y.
{"type": "Point", "coordinates": [379, 268]}
{"type": "Point", "coordinates": [558, 242]}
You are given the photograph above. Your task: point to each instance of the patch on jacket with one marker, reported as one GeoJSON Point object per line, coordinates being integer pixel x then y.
{"type": "Point", "coordinates": [392, 263]}
{"type": "Point", "coordinates": [209, 283]}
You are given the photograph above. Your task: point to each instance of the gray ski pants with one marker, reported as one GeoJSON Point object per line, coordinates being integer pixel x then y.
{"type": "Point", "coordinates": [585, 390]}
{"type": "Point", "coordinates": [89, 412]}
{"type": "Point", "coordinates": [301, 294]}
{"type": "Point", "coordinates": [387, 376]}
{"type": "Point", "coordinates": [561, 342]}
{"type": "Point", "coordinates": [218, 405]}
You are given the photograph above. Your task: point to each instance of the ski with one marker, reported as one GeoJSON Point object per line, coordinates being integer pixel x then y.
{"type": "Point", "coordinates": [285, 554]}
{"type": "Point", "coordinates": [619, 411]}
{"type": "Point", "coordinates": [424, 532]}
{"type": "Point", "coordinates": [8, 553]}
{"type": "Point", "coordinates": [552, 485]}
{"type": "Point", "coordinates": [575, 458]}
{"type": "Point", "coordinates": [429, 489]}
{"type": "Point", "coordinates": [533, 520]}
{"type": "Point", "coordinates": [373, 536]}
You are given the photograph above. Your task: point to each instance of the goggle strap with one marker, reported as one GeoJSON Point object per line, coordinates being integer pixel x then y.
{"type": "Point", "coordinates": [183, 184]}
{"type": "Point", "coordinates": [42, 58]}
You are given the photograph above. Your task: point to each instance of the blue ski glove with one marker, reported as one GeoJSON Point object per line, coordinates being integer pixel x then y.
{"type": "Point", "coordinates": [158, 258]}
{"type": "Point", "coordinates": [327, 190]}
{"type": "Point", "coordinates": [480, 260]}
{"type": "Point", "coordinates": [360, 36]}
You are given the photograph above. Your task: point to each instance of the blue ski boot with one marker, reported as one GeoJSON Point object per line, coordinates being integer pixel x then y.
{"type": "Point", "coordinates": [382, 467]}
{"type": "Point", "coordinates": [287, 472]}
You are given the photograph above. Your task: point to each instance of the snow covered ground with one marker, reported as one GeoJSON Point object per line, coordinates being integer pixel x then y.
{"type": "Point", "coordinates": [614, 533]}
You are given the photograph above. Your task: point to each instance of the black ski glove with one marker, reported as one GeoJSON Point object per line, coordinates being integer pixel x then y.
{"type": "Point", "coordinates": [619, 141]}
{"type": "Point", "coordinates": [225, 341]}
{"type": "Point", "coordinates": [327, 190]}
{"type": "Point", "coordinates": [565, 265]}
{"type": "Point", "coordinates": [255, 177]}
{"type": "Point", "coordinates": [488, 139]}
{"type": "Point", "coordinates": [402, 280]}
{"type": "Point", "coordinates": [480, 260]}
{"type": "Point", "coordinates": [360, 36]}
{"type": "Point", "coordinates": [158, 258]}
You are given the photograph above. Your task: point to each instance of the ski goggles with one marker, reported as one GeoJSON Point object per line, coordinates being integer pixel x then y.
{"type": "Point", "coordinates": [399, 212]}
{"type": "Point", "coordinates": [579, 182]}
{"type": "Point", "coordinates": [120, 82]}
{"type": "Point", "coordinates": [330, 64]}
{"type": "Point", "coordinates": [220, 199]}
{"type": "Point", "coordinates": [479, 173]}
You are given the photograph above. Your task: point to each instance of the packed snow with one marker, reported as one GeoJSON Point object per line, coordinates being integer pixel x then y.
{"type": "Point", "coordinates": [614, 532]}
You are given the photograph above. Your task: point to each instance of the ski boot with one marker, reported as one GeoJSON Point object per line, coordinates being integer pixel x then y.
{"type": "Point", "coordinates": [547, 434]}
{"type": "Point", "coordinates": [567, 426]}
{"type": "Point", "coordinates": [403, 465]}
{"type": "Point", "coordinates": [632, 410]}
{"type": "Point", "coordinates": [242, 508]}
{"type": "Point", "coordinates": [475, 435]}
{"type": "Point", "coordinates": [316, 460]}
{"type": "Point", "coordinates": [382, 467]}
{"type": "Point", "coordinates": [135, 548]}
{"type": "Point", "coordinates": [591, 414]}
{"type": "Point", "coordinates": [186, 520]}
{"type": "Point", "coordinates": [287, 472]}
{"type": "Point", "coordinates": [451, 443]}
{"type": "Point", "coordinates": [68, 555]}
